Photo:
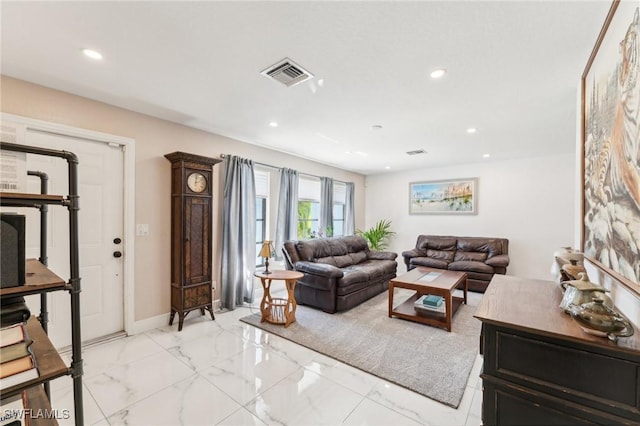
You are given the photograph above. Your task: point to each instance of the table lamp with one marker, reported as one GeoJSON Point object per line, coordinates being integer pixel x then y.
{"type": "Point", "coordinates": [267, 252]}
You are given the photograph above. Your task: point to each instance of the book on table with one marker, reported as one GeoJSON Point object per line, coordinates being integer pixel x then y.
{"type": "Point", "coordinates": [430, 300]}
{"type": "Point", "coordinates": [434, 305]}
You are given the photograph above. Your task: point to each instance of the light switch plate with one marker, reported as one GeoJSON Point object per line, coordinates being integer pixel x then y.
{"type": "Point", "coordinates": [142, 229]}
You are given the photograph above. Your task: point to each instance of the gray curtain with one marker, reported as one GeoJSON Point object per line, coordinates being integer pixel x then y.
{"type": "Point", "coordinates": [326, 205]}
{"type": "Point", "coordinates": [238, 232]}
{"type": "Point", "coordinates": [287, 220]}
{"type": "Point", "coordinates": [349, 209]}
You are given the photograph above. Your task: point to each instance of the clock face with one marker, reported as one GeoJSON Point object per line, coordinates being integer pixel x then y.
{"type": "Point", "coordinates": [197, 182]}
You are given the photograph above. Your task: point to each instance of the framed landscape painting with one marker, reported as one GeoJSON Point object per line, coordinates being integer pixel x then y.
{"type": "Point", "coordinates": [443, 197]}
{"type": "Point", "coordinates": [611, 147]}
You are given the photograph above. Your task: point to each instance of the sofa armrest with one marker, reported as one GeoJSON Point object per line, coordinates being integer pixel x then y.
{"type": "Point", "coordinates": [321, 269]}
{"type": "Point", "coordinates": [501, 260]}
{"type": "Point", "coordinates": [382, 255]}
{"type": "Point", "coordinates": [415, 252]}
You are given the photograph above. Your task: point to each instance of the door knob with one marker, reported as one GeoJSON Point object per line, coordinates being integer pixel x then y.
{"type": "Point", "coordinates": [117, 254]}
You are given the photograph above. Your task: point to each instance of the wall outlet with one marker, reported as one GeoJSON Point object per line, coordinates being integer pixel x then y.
{"type": "Point", "coordinates": [142, 229]}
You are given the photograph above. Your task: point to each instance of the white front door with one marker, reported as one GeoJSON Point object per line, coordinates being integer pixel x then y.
{"type": "Point", "coordinates": [100, 187]}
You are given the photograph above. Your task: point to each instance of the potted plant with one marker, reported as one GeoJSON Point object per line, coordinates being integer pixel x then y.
{"type": "Point", "coordinates": [378, 235]}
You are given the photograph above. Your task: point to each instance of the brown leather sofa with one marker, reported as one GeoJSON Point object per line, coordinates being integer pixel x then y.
{"type": "Point", "coordinates": [339, 273]}
{"type": "Point", "coordinates": [479, 257]}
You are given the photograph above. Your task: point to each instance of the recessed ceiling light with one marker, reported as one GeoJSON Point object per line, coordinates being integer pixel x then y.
{"type": "Point", "coordinates": [438, 73]}
{"type": "Point", "coordinates": [486, 155]}
{"type": "Point", "coordinates": [93, 54]}
{"type": "Point", "coordinates": [273, 124]}
{"type": "Point", "coordinates": [472, 130]}
{"type": "Point", "coordinates": [387, 167]}
{"type": "Point", "coordinates": [376, 127]}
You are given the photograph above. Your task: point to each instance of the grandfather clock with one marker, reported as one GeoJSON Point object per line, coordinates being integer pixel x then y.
{"type": "Point", "coordinates": [191, 234]}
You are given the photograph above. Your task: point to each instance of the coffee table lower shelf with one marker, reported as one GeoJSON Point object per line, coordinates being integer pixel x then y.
{"type": "Point", "coordinates": [407, 310]}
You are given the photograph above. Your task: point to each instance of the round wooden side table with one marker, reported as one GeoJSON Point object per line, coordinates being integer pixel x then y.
{"type": "Point", "coordinates": [277, 310]}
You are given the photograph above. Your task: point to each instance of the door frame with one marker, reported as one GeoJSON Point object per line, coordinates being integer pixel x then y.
{"type": "Point", "coordinates": [128, 149]}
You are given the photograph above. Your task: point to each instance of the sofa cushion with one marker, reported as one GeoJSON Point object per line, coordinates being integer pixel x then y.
{"type": "Point", "coordinates": [489, 246]}
{"type": "Point", "coordinates": [358, 257]}
{"type": "Point", "coordinates": [444, 255]}
{"type": "Point", "coordinates": [343, 261]}
{"type": "Point", "coordinates": [377, 268]}
{"type": "Point", "coordinates": [352, 276]}
{"type": "Point", "coordinates": [470, 255]}
{"type": "Point", "coordinates": [436, 243]}
{"type": "Point", "coordinates": [470, 266]}
{"type": "Point", "coordinates": [427, 261]}
{"type": "Point", "coordinates": [355, 243]}
{"type": "Point", "coordinates": [331, 251]}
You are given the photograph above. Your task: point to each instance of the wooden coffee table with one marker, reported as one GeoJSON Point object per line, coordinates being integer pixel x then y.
{"type": "Point", "coordinates": [425, 281]}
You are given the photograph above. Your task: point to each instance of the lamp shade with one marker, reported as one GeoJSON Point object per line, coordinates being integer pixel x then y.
{"type": "Point", "coordinates": [266, 250]}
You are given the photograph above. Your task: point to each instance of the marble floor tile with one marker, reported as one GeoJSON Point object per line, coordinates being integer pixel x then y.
{"type": "Point", "coordinates": [226, 372]}
{"type": "Point", "coordinates": [476, 404]}
{"type": "Point", "coordinates": [100, 358]}
{"type": "Point", "coordinates": [305, 398]}
{"type": "Point", "coordinates": [193, 401]}
{"type": "Point", "coordinates": [205, 351]}
{"type": "Point", "coordinates": [62, 400]}
{"type": "Point", "coordinates": [249, 373]}
{"type": "Point", "coordinates": [419, 408]}
{"type": "Point", "coordinates": [344, 375]}
{"type": "Point", "coordinates": [241, 417]}
{"type": "Point", "coordinates": [371, 413]}
{"type": "Point", "coordinates": [124, 385]}
{"type": "Point", "coordinates": [196, 327]}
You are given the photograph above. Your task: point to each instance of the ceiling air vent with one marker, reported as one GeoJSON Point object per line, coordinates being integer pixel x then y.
{"type": "Point", "coordinates": [287, 72]}
{"type": "Point", "coordinates": [416, 152]}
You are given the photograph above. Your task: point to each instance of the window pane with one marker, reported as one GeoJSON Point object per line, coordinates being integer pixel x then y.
{"type": "Point", "coordinates": [338, 211]}
{"type": "Point", "coordinates": [338, 228]}
{"type": "Point", "coordinates": [260, 210]}
{"type": "Point", "coordinates": [308, 219]}
{"type": "Point", "coordinates": [259, 231]}
{"type": "Point", "coordinates": [259, 260]}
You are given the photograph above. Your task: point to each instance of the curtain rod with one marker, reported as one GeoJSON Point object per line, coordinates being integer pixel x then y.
{"type": "Point", "coordinates": [280, 168]}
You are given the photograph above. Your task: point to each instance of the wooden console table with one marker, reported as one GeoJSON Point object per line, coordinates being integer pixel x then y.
{"type": "Point", "coordinates": [541, 368]}
{"type": "Point", "coordinates": [277, 310]}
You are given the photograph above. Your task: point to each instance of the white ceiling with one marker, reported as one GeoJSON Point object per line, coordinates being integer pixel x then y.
{"type": "Point", "coordinates": [513, 72]}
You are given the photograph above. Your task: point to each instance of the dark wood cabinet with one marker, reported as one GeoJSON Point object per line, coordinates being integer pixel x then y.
{"type": "Point", "coordinates": [191, 234]}
{"type": "Point", "coordinates": [541, 368]}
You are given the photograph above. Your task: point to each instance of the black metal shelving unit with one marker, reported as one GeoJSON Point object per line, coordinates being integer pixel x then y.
{"type": "Point", "coordinates": [40, 280]}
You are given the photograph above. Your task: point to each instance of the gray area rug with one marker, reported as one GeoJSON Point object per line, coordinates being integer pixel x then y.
{"type": "Point", "coordinates": [425, 359]}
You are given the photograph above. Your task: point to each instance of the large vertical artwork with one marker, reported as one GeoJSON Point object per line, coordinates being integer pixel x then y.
{"type": "Point", "coordinates": [611, 146]}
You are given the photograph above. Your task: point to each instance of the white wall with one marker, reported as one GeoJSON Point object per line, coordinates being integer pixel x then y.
{"type": "Point", "coordinates": [528, 201]}
{"type": "Point", "coordinates": [154, 138]}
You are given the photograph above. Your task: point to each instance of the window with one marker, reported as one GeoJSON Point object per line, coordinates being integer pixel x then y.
{"type": "Point", "coordinates": [339, 198]}
{"type": "Point", "coordinates": [308, 219]}
{"type": "Point", "coordinates": [262, 195]}
{"type": "Point", "coordinates": [308, 208]}
{"type": "Point", "coordinates": [338, 219]}
{"type": "Point", "coordinates": [261, 214]}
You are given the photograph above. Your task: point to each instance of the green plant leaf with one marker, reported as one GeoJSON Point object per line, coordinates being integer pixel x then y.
{"type": "Point", "coordinates": [378, 235]}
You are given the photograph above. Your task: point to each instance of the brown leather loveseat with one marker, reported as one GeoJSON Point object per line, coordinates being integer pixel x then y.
{"type": "Point", "coordinates": [339, 273]}
{"type": "Point", "coordinates": [479, 257]}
